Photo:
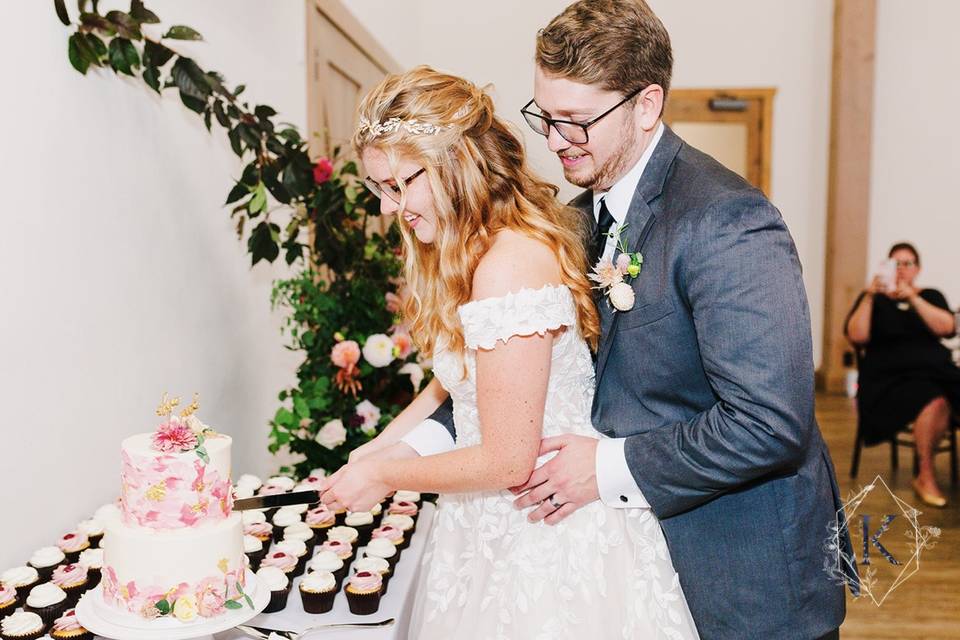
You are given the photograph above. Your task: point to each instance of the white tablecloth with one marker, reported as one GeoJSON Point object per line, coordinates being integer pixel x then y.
{"type": "Point", "coordinates": [398, 603]}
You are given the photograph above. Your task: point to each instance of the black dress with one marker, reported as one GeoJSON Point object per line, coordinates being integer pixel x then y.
{"type": "Point", "coordinates": [902, 368]}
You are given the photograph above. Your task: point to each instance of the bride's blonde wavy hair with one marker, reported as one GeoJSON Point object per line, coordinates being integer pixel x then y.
{"type": "Point", "coordinates": [481, 184]}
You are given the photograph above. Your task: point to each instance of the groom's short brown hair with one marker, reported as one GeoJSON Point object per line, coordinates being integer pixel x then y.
{"type": "Point", "coordinates": [620, 45]}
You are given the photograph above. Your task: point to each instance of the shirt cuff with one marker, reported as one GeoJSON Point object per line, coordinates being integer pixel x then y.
{"type": "Point", "coordinates": [429, 438]}
{"type": "Point", "coordinates": [617, 487]}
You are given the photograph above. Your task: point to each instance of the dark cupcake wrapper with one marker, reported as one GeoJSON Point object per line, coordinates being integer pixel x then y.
{"type": "Point", "coordinates": [93, 578]}
{"type": "Point", "coordinates": [363, 604]}
{"type": "Point", "coordinates": [301, 565]}
{"type": "Point", "coordinates": [72, 557]}
{"type": "Point", "coordinates": [45, 572]}
{"type": "Point", "coordinates": [406, 540]}
{"type": "Point", "coordinates": [318, 602]}
{"type": "Point", "coordinates": [24, 591]}
{"type": "Point", "coordinates": [363, 534]}
{"type": "Point", "coordinates": [9, 608]}
{"type": "Point", "coordinates": [339, 519]}
{"type": "Point", "coordinates": [75, 591]}
{"type": "Point", "coordinates": [95, 541]}
{"type": "Point", "coordinates": [256, 558]}
{"type": "Point", "coordinates": [51, 613]}
{"type": "Point", "coordinates": [278, 600]}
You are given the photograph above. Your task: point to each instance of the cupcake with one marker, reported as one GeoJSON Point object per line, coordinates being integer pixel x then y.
{"type": "Point", "coordinates": [255, 550]}
{"type": "Point", "coordinates": [344, 534]}
{"type": "Point", "coordinates": [282, 561]}
{"type": "Point", "coordinates": [47, 601]}
{"type": "Point", "coordinates": [250, 481]}
{"type": "Point", "coordinates": [409, 496]}
{"type": "Point", "coordinates": [320, 520]}
{"type": "Point", "coordinates": [311, 483]}
{"type": "Point", "coordinates": [22, 625]}
{"type": "Point", "coordinates": [317, 591]}
{"type": "Point", "coordinates": [405, 524]}
{"type": "Point", "coordinates": [108, 512]}
{"type": "Point", "coordinates": [282, 519]}
{"type": "Point", "coordinates": [73, 579]}
{"type": "Point", "coordinates": [253, 516]}
{"type": "Point", "coordinates": [343, 550]}
{"type": "Point", "coordinates": [298, 550]}
{"type": "Point", "coordinates": [45, 559]}
{"type": "Point", "coordinates": [383, 548]}
{"type": "Point", "coordinates": [8, 600]}
{"type": "Point", "coordinates": [278, 583]}
{"type": "Point", "coordinates": [403, 508]}
{"type": "Point", "coordinates": [22, 579]}
{"type": "Point", "coordinates": [93, 529]}
{"type": "Point", "coordinates": [362, 521]}
{"type": "Point", "coordinates": [298, 509]}
{"type": "Point", "coordinates": [375, 565]}
{"type": "Point", "coordinates": [391, 533]}
{"type": "Point", "coordinates": [328, 562]}
{"type": "Point", "coordinates": [283, 482]}
{"type": "Point", "coordinates": [262, 531]}
{"type": "Point", "coordinates": [301, 531]}
{"type": "Point", "coordinates": [363, 593]}
{"type": "Point", "coordinates": [72, 544]}
{"type": "Point", "coordinates": [92, 559]}
{"type": "Point", "coordinates": [67, 626]}
{"type": "Point", "coordinates": [242, 493]}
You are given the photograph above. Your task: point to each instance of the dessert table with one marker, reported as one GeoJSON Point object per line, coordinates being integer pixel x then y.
{"type": "Point", "coordinates": [397, 604]}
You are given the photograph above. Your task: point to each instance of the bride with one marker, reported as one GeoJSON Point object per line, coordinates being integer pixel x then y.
{"type": "Point", "coordinates": [495, 269]}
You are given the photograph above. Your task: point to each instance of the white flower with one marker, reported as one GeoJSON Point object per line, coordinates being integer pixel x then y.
{"type": "Point", "coordinates": [332, 435]}
{"type": "Point", "coordinates": [415, 372]}
{"type": "Point", "coordinates": [195, 425]}
{"type": "Point", "coordinates": [185, 608]}
{"type": "Point", "coordinates": [371, 417]}
{"type": "Point", "coordinates": [621, 296]}
{"type": "Point", "coordinates": [378, 350]}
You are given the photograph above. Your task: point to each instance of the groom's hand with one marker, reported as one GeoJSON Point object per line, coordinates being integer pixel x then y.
{"type": "Point", "coordinates": [570, 478]}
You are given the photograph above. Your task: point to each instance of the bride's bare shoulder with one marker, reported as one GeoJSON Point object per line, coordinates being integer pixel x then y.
{"type": "Point", "coordinates": [515, 261]}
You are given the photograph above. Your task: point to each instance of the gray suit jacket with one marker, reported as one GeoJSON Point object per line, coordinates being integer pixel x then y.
{"type": "Point", "coordinates": [709, 377]}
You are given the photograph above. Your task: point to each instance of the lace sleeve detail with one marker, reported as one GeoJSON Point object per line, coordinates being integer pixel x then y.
{"type": "Point", "coordinates": [524, 313]}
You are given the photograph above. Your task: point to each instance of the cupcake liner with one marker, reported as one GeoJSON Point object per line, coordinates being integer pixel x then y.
{"type": "Point", "coordinates": [363, 604]}
{"type": "Point", "coordinates": [75, 591]}
{"type": "Point", "coordinates": [29, 636]}
{"type": "Point", "coordinates": [49, 614]}
{"type": "Point", "coordinates": [318, 602]}
{"type": "Point", "coordinates": [405, 543]}
{"type": "Point", "coordinates": [340, 519]}
{"type": "Point", "coordinates": [24, 591]}
{"type": "Point", "coordinates": [10, 607]}
{"type": "Point", "coordinates": [278, 600]}
{"type": "Point", "coordinates": [72, 557]}
{"type": "Point", "coordinates": [301, 566]}
{"type": "Point", "coordinates": [95, 540]}
{"type": "Point", "coordinates": [256, 558]}
{"type": "Point", "coordinates": [72, 635]}
{"type": "Point", "coordinates": [363, 534]}
{"type": "Point", "coordinates": [45, 572]}
{"type": "Point", "coordinates": [93, 578]}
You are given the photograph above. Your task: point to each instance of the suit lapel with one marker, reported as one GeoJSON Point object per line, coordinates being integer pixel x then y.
{"type": "Point", "coordinates": [639, 224]}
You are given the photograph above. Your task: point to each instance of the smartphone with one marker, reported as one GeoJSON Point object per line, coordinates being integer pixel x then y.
{"type": "Point", "coordinates": [887, 272]}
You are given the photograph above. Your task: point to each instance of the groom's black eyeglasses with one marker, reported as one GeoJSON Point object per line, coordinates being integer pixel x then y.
{"type": "Point", "coordinates": [392, 190]}
{"type": "Point", "coordinates": [574, 132]}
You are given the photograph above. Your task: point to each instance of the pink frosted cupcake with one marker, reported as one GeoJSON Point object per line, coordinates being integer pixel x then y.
{"type": "Point", "coordinates": [375, 565]}
{"type": "Point", "coordinates": [344, 550]}
{"type": "Point", "coordinates": [405, 523]}
{"type": "Point", "coordinates": [320, 520]}
{"type": "Point", "coordinates": [72, 544]}
{"type": "Point", "coordinates": [363, 593]}
{"type": "Point", "coordinates": [73, 579]}
{"type": "Point", "coordinates": [9, 601]}
{"type": "Point", "coordinates": [282, 561]}
{"type": "Point", "coordinates": [298, 550]}
{"type": "Point", "coordinates": [67, 627]}
{"type": "Point", "coordinates": [391, 533]}
{"type": "Point", "coordinates": [263, 531]}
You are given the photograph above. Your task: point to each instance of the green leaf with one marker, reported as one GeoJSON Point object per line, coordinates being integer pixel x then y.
{"type": "Point", "coordinates": [203, 455]}
{"type": "Point", "coordinates": [163, 607]}
{"type": "Point", "coordinates": [240, 88]}
{"type": "Point", "coordinates": [95, 21]}
{"type": "Point", "coordinates": [263, 111]}
{"type": "Point", "coordinates": [141, 13]}
{"type": "Point", "coordinates": [249, 600]}
{"type": "Point", "coordinates": [156, 54]}
{"type": "Point", "coordinates": [189, 79]}
{"type": "Point", "coordinates": [126, 26]}
{"type": "Point", "coordinates": [151, 75]}
{"type": "Point", "coordinates": [75, 51]}
{"type": "Point", "coordinates": [207, 119]}
{"type": "Point", "coordinates": [262, 243]}
{"type": "Point", "coordinates": [123, 56]}
{"type": "Point", "coordinates": [96, 44]}
{"type": "Point", "coordinates": [61, 10]}
{"type": "Point", "coordinates": [181, 32]}
{"type": "Point", "coordinates": [239, 190]}
{"type": "Point", "coordinates": [221, 114]}
{"type": "Point", "coordinates": [234, 137]}
{"type": "Point", "coordinates": [194, 104]}
{"type": "Point", "coordinates": [232, 604]}
{"type": "Point", "coordinates": [259, 201]}
{"type": "Point", "coordinates": [285, 417]}
{"type": "Point", "coordinates": [300, 406]}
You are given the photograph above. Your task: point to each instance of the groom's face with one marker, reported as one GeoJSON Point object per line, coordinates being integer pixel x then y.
{"type": "Point", "coordinates": [612, 145]}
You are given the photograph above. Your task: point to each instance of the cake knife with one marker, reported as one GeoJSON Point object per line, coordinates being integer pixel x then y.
{"type": "Point", "coordinates": [278, 500]}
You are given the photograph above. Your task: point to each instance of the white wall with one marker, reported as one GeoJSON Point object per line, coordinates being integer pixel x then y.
{"type": "Point", "coordinates": [735, 43]}
{"type": "Point", "coordinates": [916, 142]}
{"type": "Point", "coordinates": [120, 274]}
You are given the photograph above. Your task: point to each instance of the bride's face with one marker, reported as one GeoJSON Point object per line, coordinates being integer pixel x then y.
{"type": "Point", "coordinates": [419, 213]}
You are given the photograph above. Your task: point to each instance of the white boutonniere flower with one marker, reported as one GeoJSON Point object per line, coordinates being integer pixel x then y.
{"type": "Point", "coordinates": [614, 279]}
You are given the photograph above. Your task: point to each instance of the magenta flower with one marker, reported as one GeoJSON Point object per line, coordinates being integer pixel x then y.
{"type": "Point", "coordinates": [172, 437]}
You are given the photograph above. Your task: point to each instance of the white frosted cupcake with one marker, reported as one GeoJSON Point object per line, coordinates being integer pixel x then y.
{"type": "Point", "coordinates": [92, 559]}
{"type": "Point", "coordinates": [282, 519]}
{"type": "Point", "coordinates": [22, 579]}
{"type": "Point", "coordinates": [107, 512]}
{"type": "Point", "coordinates": [279, 585]}
{"type": "Point", "coordinates": [284, 482]}
{"type": "Point", "coordinates": [22, 625]}
{"type": "Point", "coordinates": [383, 548]}
{"type": "Point", "coordinates": [48, 601]}
{"type": "Point", "coordinates": [408, 496]}
{"type": "Point", "coordinates": [363, 522]}
{"type": "Point", "coordinates": [300, 531]}
{"type": "Point", "coordinates": [253, 516]}
{"type": "Point", "coordinates": [343, 534]}
{"type": "Point", "coordinates": [45, 560]}
{"type": "Point", "coordinates": [93, 529]}
{"type": "Point", "coordinates": [242, 493]}
{"type": "Point", "coordinates": [328, 561]}
{"type": "Point", "coordinates": [317, 591]}
{"type": "Point", "coordinates": [250, 481]}
{"type": "Point", "coordinates": [255, 551]}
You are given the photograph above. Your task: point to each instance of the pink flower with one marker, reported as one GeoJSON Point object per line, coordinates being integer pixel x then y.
{"type": "Point", "coordinates": [173, 437]}
{"type": "Point", "coordinates": [623, 262]}
{"type": "Point", "coordinates": [402, 344]}
{"type": "Point", "coordinates": [393, 302]}
{"type": "Point", "coordinates": [605, 274]}
{"type": "Point", "coordinates": [322, 170]}
{"type": "Point", "coordinates": [210, 597]}
{"type": "Point", "coordinates": [345, 354]}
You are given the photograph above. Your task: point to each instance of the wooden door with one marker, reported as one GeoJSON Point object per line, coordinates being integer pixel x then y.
{"type": "Point", "coordinates": [732, 125]}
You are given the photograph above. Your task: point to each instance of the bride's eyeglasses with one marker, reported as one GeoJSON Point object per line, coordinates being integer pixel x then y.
{"type": "Point", "coordinates": [573, 132]}
{"type": "Point", "coordinates": [391, 191]}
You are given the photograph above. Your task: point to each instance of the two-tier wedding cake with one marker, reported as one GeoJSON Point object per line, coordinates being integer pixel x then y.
{"type": "Point", "coordinates": [175, 548]}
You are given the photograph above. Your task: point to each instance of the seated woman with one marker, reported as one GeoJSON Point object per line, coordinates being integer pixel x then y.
{"type": "Point", "coordinates": [906, 374]}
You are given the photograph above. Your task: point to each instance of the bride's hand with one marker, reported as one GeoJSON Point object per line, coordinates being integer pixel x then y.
{"type": "Point", "coordinates": [375, 445]}
{"type": "Point", "coordinates": [358, 485]}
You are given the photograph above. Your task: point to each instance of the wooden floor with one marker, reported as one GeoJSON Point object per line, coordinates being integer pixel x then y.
{"type": "Point", "coordinates": [927, 605]}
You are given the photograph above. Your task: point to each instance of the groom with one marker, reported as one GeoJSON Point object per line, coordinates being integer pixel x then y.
{"type": "Point", "coordinates": [705, 385]}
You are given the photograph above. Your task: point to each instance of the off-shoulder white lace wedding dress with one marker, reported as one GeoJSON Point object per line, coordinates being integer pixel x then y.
{"type": "Point", "coordinates": [488, 572]}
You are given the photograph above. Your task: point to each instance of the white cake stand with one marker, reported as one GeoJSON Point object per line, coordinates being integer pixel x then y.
{"type": "Point", "coordinates": [106, 621]}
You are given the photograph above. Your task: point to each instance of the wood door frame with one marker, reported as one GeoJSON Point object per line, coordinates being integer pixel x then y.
{"type": "Point", "coordinates": [759, 133]}
{"type": "Point", "coordinates": [351, 29]}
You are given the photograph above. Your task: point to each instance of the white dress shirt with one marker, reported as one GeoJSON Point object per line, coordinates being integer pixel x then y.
{"type": "Point", "coordinates": [615, 482]}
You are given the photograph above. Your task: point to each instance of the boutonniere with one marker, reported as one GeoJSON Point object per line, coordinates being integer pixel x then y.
{"type": "Point", "coordinates": [614, 279]}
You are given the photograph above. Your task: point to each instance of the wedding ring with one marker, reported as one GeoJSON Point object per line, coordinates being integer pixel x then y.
{"type": "Point", "coordinates": [553, 501]}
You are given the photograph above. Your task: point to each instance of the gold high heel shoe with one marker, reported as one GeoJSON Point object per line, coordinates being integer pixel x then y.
{"type": "Point", "coordinates": [929, 498]}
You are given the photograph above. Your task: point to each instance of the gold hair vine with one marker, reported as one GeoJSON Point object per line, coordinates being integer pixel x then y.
{"type": "Point", "coordinates": [393, 125]}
